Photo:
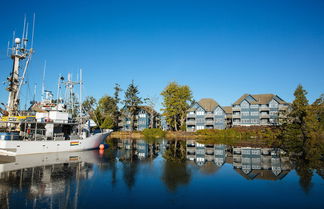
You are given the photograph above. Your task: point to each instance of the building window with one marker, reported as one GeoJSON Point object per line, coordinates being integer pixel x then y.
{"type": "Point", "coordinates": [254, 121]}
{"type": "Point", "coordinates": [245, 120]}
{"type": "Point", "coordinates": [200, 127]}
{"type": "Point", "coordinates": [200, 112]}
{"type": "Point", "coordinates": [219, 112]}
{"type": "Point", "coordinates": [219, 120]}
{"type": "Point", "coordinates": [200, 120]}
{"type": "Point", "coordinates": [245, 104]}
{"type": "Point", "coordinates": [273, 113]}
{"type": "Point", "coordinates": [273, 104]}
{"type": "Point", "coordinates": [142, 115]}
{"type": "Point", "coordinates": [255, 106]}
{"type": "Point", "coordinates": [245, 113]}
{"type": "Point", "coordinates": [254, 113]}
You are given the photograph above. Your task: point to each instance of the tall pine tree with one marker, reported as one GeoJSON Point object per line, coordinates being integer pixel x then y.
{"type": "Point", "coordinates": [132, 102]}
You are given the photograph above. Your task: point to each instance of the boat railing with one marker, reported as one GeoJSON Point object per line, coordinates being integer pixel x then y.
{"type": "Point", "coordinates": [59, 137]}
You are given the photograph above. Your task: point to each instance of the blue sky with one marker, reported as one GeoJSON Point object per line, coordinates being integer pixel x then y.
{"type": "Point", "coordinates": [221, 49]}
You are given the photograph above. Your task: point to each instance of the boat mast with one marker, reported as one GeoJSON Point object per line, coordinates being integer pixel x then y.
{"type": "Point", "coordinates": [43, 82]}
{"type": "Point", "coordinates": [19, 52]}
{"type": "Point", "coordinates": [70, 96]}
{"type": "Point", "coordinates": [80, 99]}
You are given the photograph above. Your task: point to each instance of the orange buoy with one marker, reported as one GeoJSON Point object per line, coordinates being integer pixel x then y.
{"type": "Point", "coordinates": [101, 146]}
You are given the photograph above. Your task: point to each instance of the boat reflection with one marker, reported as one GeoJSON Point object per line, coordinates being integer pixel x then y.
{"type": "Point", "coordinates": [46, 178]}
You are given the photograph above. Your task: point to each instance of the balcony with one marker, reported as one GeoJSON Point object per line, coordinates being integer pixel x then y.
{"type": "Point", "coordinates": [191, 122]}
{"type": "Point", "coordinates": [236, 108]}
{"type": "Point", "coordinates": [236, 116]}
{"type": "Point", "coordinates": [209, 115]}
{"type": "Point", "coordinates": [190, 115]}
{"type": "Point", "coordinates": [264, 116]}
{"type": "Point", "coordinates": [283, 108]}
{"type": "Point", "coordinates": [264, 108]}
{"type": "Point", "coordinates": [209, 122]}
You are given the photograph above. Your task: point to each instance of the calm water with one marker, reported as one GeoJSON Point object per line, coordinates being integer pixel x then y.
{"type": "Point", "coordinates": [162, 174]}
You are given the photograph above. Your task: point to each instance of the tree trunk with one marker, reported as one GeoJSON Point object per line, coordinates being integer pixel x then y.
{"type": "Point", "coordinates": [132, 122]}
{"type": "Point", "coordinates": [175, 148]}
{"type": "Point", "coordinates": [152, 118]}
{"type": "Point", "coordinates": [175, 123]}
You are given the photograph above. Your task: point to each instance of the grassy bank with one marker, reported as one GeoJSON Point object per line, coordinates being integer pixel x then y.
{"type": "Point", "coordinates": [206, 134]}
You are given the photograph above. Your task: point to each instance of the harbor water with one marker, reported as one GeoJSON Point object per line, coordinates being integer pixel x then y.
{"type": "Point", "coordinates": [162, 174]}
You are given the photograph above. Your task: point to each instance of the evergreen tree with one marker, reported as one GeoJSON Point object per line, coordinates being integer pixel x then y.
{"type": "Point", "coordinates": [132, 102]}
{"type": "Point", "coordinates": [116, 114]}
{"type": "Point", "coordinates": [107, 105]}
{"type": "Point", "coordinates": [299, 110]}
{"type": "Point", "coordinates": [303, 127]}
{"type": "Point", "coordinates": [318, 107]}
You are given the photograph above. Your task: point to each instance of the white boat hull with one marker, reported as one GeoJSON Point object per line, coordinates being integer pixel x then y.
{"type": "Point", "coordinates": [17, 147]}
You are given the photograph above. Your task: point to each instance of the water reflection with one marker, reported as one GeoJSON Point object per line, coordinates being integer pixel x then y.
{"type": "Point", "coordinates": [249, 162]}
{"type": "Point", "coordinates": [44, 179]}
{"type": "Point", "coordinates": [60, 180]}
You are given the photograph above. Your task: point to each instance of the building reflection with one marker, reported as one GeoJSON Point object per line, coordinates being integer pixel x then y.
{"type": "Point", "coordinates": [250, 162]}
{"type": "Point", "coordinates": [130, 149]}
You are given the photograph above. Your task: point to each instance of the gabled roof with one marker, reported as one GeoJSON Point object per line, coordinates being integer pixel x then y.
{"type": "Point", "coordinates": [148, 109]}
{"type": "Point", "coordinates": [262, 174]}
{"type": "Point", "coordinates": [260, 99]}
{"type": "Point", "coordinates": [240, 99]}
{"type": "Point", "coordinates": [208, 104]}
{"type": "Point", "coordinates": [227, 109]}
{"type": "Point", "coordinates": [263, 98]}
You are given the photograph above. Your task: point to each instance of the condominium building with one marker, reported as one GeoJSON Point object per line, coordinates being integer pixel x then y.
{"type": "Point", "coordinates": [258, 109]}
{"type": "Point", "coordinates": [142, 119]}
{"type": "Point", "coordinates": [206, 114]}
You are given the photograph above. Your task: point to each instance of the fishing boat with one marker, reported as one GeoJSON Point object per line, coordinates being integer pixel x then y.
{"type": "Point", "coordinates": [48, 126]}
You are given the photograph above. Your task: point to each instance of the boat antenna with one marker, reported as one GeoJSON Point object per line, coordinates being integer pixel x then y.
{"type": "Point", "coordinates": [43, 82]}
{"type": "Point", "coordinates": [8, 49]}
{"type": "Point", "coordinates": [80, 99]}
{"type": "Point", "coordinates": [33, 32]}
{"type": "Point", "coordinates": [34, 96]}
{"type": "Point", "coordinates": [24, 31]}
{"type": "Point", "coordinates": [80, 102]}
{"type": "Point", "coordinates": [58, 89]}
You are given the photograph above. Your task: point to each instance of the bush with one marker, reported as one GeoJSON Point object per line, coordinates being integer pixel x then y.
{"type": "Point", "coordinates": [241, 133]}
{"type": "Point", "coordinates": [153, 133]}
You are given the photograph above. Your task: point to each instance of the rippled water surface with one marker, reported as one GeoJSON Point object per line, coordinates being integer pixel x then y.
{"type": "Point", "coordinates": [162, 174]}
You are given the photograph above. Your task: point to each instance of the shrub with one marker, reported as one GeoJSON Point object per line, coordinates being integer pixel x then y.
{"type": "Point", "coordinates": [153, 133]}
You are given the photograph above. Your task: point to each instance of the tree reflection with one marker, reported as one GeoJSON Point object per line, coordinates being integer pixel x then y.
{"type": "Point", "coordinates": [175, 171]}
{"type": "Point", "coordinates": [307, 159]}
{"type": "Point", "coordinates": [129, 173]}
{"type": "Point", "coordinates": [109, 161]}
